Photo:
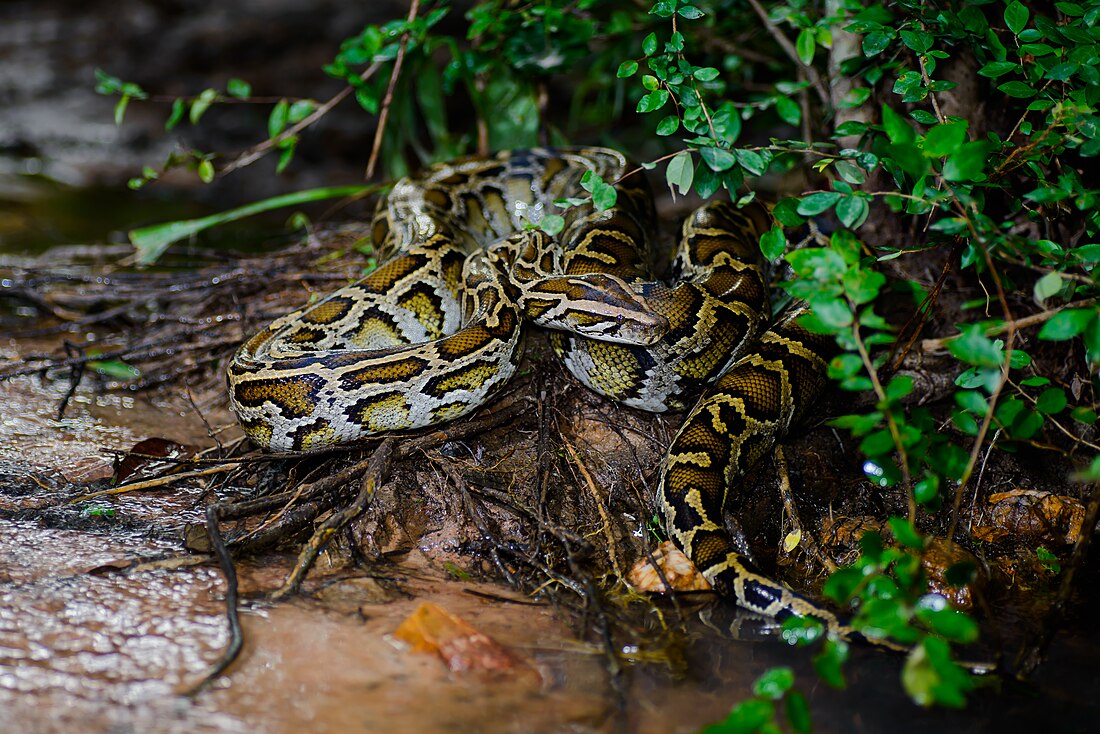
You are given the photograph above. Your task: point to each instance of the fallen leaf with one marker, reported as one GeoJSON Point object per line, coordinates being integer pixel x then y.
{"type": "Point", "coordinates": [462, 647]}
{"type": "Point", "coordinates": [677, 568]}
{"type": "Point", "coordinates": [1031, 515]}
{"type": "Point", "coordinates": [148, 451]}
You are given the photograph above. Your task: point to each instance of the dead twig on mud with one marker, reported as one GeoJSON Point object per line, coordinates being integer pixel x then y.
{"type": "Point", "coordinates": [236, 634]}
{"type": "Point", "coordinates": [597, 500]}
{"type": "Point", "coordinates": [157, 482]}
{"type": "Point", "coordinates": [378, 469]}
{"type": "Point", "coordinates": [805, 539]}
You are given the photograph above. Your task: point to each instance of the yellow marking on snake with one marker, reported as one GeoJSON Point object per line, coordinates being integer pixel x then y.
{"type": "Point", "coordinates": [291, 399]}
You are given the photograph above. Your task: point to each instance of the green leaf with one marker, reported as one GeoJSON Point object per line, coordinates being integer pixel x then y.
{"type": "Point", "coordinates": [668, 125]}
{"type": "Point", "coordinates": [969, 163]}
{"type": "Point", "coordinates": [690, 12]}
{"type": "Point", "coordinates": [1047, 286]}
{"type": "Point", "coordinates": [833, 313]}
{"type": "Point", "coordinates": [852, 211]}
{"type": "Point", "coordinates": [115, 369]}
{"type": "Point", "coordinates": [919, 41]}
{"type": "Point", "coordinates": [773, 243]}
{"type": "Point", "coordinates": [1048, 560]}
{"type": "Point", "coordinates": [276, 121]}
{"type": "Point", "coordinates": [829, 663]}
{"type": "Point", "coordinates": [719, 159]}
{"type": "Point", "coordinates": [653, 101]}
{"type": "Point", "coordinates": [367, 99]}
{"type": "Point", "coordinates": [150, 242]}
{"type": "Point", "coordinates": [974, 347]}
{"type": "Point", "coordinates": [206, 171]}
{"type": "Point", "coordinates": [179, 107]}
{"type": "Point", "coordinates": [926, 490]}
{"type": "Point", "coordinates": [747, 717]}
{"type": "Point", "coordinates": [815, 204]}
{"type": "Point", "coordinates": [751, 161]}
{"type": "Point", "coordinates": [1061, 72]}
{"type": "Point", "coordinates": [949, 623]}
{"type": "Point", "coordinates": [680, 172]}
{"type": "Point", "coordinates": [120, 109]}
{"type": "Point", "coordinates": [944, 140]}
{"type": "Point", "coordinates": [1019, 90]}
{"type": "Point", "coordinates": [627, 69]}
{"type": "Point", "coordinates": [802, 631]}
{"type": "Point", "coordinates": [806, 44]}
{"type": "Point", "coordinates": [300, 110]}
{"type": "Point", "coordinates": [905, 533]}
{"type": "Point", "coordinates": [900, 385]}
{"type": "Point", "coordinates": [817, 263]}
{"type": "Point", "coordinates": [604, 196]}
{"type": "Point", "coordinates": [876, 42]}
{"type": "Point", "coordinates": [705, 74]}
{"type": "Point", "coordinates": [286, 153]}
{"type": "Point", "coordinates": [238, 88]}
{"type": "Point", "coordinates": [1016, 15]}
{"type": "Point", "coordinates": [897, 129]}
{"type": "Point", "coordinates": [552, 224]}
{"type": "Point", "coordinates": [931, 677]}
{"type": "Point", "coordinates": [798, 712]}
{"type": "Point", "coordinates": [649, 44]}
{"type": "Point", "coordinates": [788, 110]}
{"type": "Point", "coordinates": [201, 104]}
{"type": "Point", "coordinates": [774, 683]}
{"type": "Point", "coordinates": [995, 69]}
{"type": "Point", "coordinates": [1052, 400]}
{"type": "Point", "coordinates": [1067, 324]}
{"type": "Point", "coordinates": [850, 171]}
{"type": "Point", "coordinates": [786, 212]}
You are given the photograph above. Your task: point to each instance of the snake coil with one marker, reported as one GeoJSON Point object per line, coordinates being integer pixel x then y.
{"type": "Point", "coordinates": [436, 330]}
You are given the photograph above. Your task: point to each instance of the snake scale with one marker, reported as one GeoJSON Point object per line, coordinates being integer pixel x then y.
{"type": "Point", "coordinates": [435, 332]}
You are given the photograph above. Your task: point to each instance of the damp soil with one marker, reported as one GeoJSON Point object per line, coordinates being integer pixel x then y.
{"type": "Point", "coordinates": [110, 612]}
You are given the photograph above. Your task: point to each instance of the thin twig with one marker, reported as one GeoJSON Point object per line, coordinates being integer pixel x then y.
{"type": "Point", "coordinates": [384, 112]}
{"type": "Point", "coordinates": [259, 151]}
{"type": "Point", "coordinates": [1010, 345]}
{"type": "Point", "coordinates": [377, 472]}
{"type": "Point", "coordinates": [157, 482]}
{"type": "Point", "coordinates": [609, 536]}
{"type": "Point", "coordinates": [933, 345]}
{"type": "Point", "coordinates": [791, 51]}
{"type": "Point", "coordinates": [928, 83]}
{"type": "Point", "coordinates": [232, 616]}
{"type": "Point", "coordinates": [805, 539]}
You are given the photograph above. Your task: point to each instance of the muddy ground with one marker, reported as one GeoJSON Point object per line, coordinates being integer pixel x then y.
{"type": "Point", "coordinates": [111, 610]}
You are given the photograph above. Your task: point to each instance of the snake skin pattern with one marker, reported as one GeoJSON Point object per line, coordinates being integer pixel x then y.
{"type": "Point", "coordinates": [436, 331]}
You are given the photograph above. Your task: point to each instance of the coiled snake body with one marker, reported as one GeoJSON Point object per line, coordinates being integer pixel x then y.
{"type": "Point", "coordinates": [435, 332]}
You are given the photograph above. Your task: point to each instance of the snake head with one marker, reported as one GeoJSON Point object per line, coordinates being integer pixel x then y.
{"type": "Point", "coordinates": [595, 305]}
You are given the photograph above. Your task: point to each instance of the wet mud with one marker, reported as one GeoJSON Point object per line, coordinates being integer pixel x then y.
{"type": "Point", "coordinates": [90, 642]}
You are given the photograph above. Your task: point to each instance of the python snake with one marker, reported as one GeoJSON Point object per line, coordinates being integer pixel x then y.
{"type": "Point", "coordinates": [435, 332]}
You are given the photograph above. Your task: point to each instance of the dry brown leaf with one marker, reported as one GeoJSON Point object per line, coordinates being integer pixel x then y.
{"type": "Point", "coordinates": [1031, 515]}
{"type": "Point", "coordinates": [462, 647]}
{"type": "Point", "coordinates": [678, 569]}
